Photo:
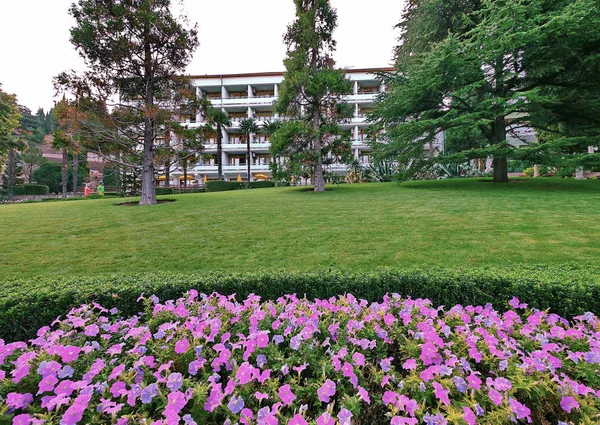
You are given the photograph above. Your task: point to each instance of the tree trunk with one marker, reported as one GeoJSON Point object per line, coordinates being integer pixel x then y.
{"type": "Point", "coordinates": [500, 164]}
{"type": "Point", "coordinates": [118, 174]}
{"type": "Point", "coordinates": [75, 171]}
{"type": "Point", "coordinates": [11, 173]}
{"type": "Point", "coordinates": [148, 190]}
{"type": "Point", "coordinates": [185, 174]}
{"type": "Point", "coordinates": [219, 152]}
{"type": "Point", "coordinates": [168, 173]}
{"type": "Point", "coordinates": [65, 172]}
{"type": "Point", "coordinates": [319, 183]}
{"type": "Point", "coordinates": [248, 155]}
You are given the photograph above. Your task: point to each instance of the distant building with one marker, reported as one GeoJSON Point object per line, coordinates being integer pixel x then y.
{"type": "Point", "coordinates": [243, 96]}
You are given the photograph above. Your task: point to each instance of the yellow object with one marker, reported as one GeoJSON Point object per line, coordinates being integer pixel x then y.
{"type": "Point", "coordinates": [205, 179]}
{"type": "Point", "coordinates": [292, 179]}
{"type": "Point", "coordinates": [239, 179]}
{"type": "Point", "coordinates": [188, 178]}
{"type": "Point", "coordinates": [162, 178]}
{"type": "Point", "coordinates": [261, 177]}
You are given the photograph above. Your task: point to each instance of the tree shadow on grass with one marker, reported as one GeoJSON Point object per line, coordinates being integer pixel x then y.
{"type": "Point", "coordinates": [540, 184]}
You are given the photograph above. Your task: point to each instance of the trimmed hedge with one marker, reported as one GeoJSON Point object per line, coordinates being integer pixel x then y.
{"type": "Point", "coordinates": [27, 305]}
{"type": "Point", "coordinates": [222, 186]}
{"type": "Point", "coordinates": [261, 184]}
{"type": "Point", "coordinates": [31, 189]}
{"type": "Point", "coordinates": [175, 191]}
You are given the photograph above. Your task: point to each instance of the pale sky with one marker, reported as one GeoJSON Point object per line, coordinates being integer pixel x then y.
{"type": "Point", "coordinates": [235, 36]}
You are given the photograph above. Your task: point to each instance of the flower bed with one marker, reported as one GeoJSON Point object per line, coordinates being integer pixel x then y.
{"type": "Point", "coordinates": [212, 360]}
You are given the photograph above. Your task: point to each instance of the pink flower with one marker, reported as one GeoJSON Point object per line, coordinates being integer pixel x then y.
{"type": "Point", "coordinates": [326, 391]}
{"type": "Point", "coordinates": [495, 396]}
{"type": "Point", "coordinates": [568, 403]}
{"type": "Point", "coordinates": [23, 419]}
{"type": "Point", "coordinates": [474, 381]}
{"type": "Point", "coordinates": [410, 364]}
{"type": "Point", "coordinates": [261, 396]}
{"type": "Point", "coordinates": [92, 330]}
{"type": "Point", "coordinates": [344, 416]}
{"type": "Point", "coordinates": [182, 346]}
{"type": "Point", "coordinates": [469, 416]}
{"type": "Point", "coordinates": [18, 401]}
{"type": "Point", "coordinates": [325, 419]}
{"type": "Point", "coordinates": [244, 373]}
{"type": "Point", "coordinates": [358, 359]}
{"type": "Point", "coordinates": [364, 395]}
{"type": "Point", "coordinates": [389, 397]}
{"type": "Point", "coordinates": [441, 393]}
{"type": "Point", "coordinates": [286, 395]}
{"type": "Point", "coordinates": [398, 420]}
{"type": "Point", "coordinates": [297, 420]}
{"type": "Point", "coordinates": [69, 353]}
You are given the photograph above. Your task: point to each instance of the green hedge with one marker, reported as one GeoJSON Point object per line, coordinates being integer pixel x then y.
{"type": "Point", "coordinates": [222, 186]}
{"type": "Point", "coordinates": [31, 189]}
{"type": "Point", "coordinates": [260, 184]}
{"type": "Point", "coordinates": [30, 304]}
{"type": "Point", "coordinates": [173, 191]}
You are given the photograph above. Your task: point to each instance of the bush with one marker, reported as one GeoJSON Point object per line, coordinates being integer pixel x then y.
{"type": "Point", "coordinates": [26, 305]}
{"type": "Point", "coordinates": [292, 361]}
{"type": "Point", "coordinates": [222, 186]}
{"type": "Point", "coordinates": [260, 184]}
{"type": "Point", "coordinates": [174, 191]}
{"type": "Point", "coordinates": [31, 189]}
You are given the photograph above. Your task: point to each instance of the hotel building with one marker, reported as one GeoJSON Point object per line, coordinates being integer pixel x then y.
{"type": "Point", "coordinates": [253, 96]}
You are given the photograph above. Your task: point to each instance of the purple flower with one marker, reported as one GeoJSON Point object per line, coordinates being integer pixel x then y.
{"type": "Point", "coordinates": [236, 404]}
{"type": "Point", "coordinates": [519, 409]}
{"type": "Point", "coordinates": [174, 382]}
{"type": "Point", "coordinates": [460, 384]}
{"type": "Point", "coordinates": [437, 419]}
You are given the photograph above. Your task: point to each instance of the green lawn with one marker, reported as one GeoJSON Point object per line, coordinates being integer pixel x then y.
{"type": "Point", "coordinates": [447, 223]}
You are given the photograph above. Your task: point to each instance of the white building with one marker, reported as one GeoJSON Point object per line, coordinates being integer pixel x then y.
{"type": "Point", "coordinates": [253, 96]}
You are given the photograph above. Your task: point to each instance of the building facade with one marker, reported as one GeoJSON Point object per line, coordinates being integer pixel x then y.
{"type": "Point", "coordinates": [252, 96]}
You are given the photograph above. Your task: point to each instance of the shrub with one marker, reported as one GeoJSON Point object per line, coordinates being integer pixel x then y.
{"type": "Point", "coordinates": [222, 186]}
{"type": "Point", "coordinates": [217, 361]}
{"type": "Point", "coordinates": [528, 172]}
{"type": "Point", "coordinates": [26, 305]}
{"type": "Point", "coordinates": [260, 184]}
{"type": "Point", "coordinates": [31, 189]}
{"type": "Point", "coordinates": [164, 191]}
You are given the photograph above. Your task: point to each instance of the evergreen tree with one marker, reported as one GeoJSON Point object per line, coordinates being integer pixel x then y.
{"type": "Point", "coordinates": [522, 64]}
{"type": "Point", "coordinates": [134, 49]}
{"type": "Point", "coordinates": [311, 91]}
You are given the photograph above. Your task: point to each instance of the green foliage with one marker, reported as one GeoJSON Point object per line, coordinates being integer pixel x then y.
{"type": "Point", "coordinates": [508, 64]}
{"type": "Point", "coordinates": [222, 186]}
{"type": "Point", "coordinates": [28, 305]}
{"type": "Point", "coordinates": [31, 189]}
{"type": "Point", "coordinates": [173, 190]}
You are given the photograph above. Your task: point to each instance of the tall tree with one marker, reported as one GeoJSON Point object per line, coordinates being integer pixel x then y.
{"type": "Point", "coordinates": [248, 127]}
{"type": "Point", "coordinates": [29, 161]}
{"type": "Point", "coordinates": [10, 137]}
{"type": "Point", "coordinates": [134, 49]}
{"type": "Point", "coordinates": [509, 71]}
{"type": "Point", "coordinates": [218, 119]}
{"type": "Point", "coordinates": [311, 90]}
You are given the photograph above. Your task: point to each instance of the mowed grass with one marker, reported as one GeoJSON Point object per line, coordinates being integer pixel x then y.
{"type": "Point", "coordinates": [358, 227]}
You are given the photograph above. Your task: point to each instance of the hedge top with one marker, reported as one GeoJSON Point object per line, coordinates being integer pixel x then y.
{"type": "Point", "coordinates": [27, 305]}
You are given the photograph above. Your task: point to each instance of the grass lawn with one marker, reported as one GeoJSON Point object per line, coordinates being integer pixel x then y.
{"type": "Point", "coordinates": [446, 223]}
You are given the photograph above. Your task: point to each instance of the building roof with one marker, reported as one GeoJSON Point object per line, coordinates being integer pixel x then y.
{"type": "Point", "coordinates": [280, 73]}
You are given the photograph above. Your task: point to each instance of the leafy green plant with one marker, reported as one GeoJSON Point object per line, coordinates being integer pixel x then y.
{"type": "Point", "coordinates": [222, 186]}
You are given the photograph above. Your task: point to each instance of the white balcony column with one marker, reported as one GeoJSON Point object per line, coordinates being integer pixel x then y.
{"type": "Point", "coordinates": [224, 92]}
{"type": "Point", "coordinates": [276, 90]}
{"type": "Point", "coordinates": [199, 117]}
{"type": "Point", "coordinates": [356, 110]}
{"type": "Point", "coordinates": [356, 132]}
{"type": "Point", "coordinates": [250, 114]}
{"type": "Point", "coordinates": [356, 87]}
{"type": "Point", "coordinates": [250, 93]}
{"type": "Point", "coordinates": [356, 153]}
{"type": "Point", "coordinates": [382, 87]}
